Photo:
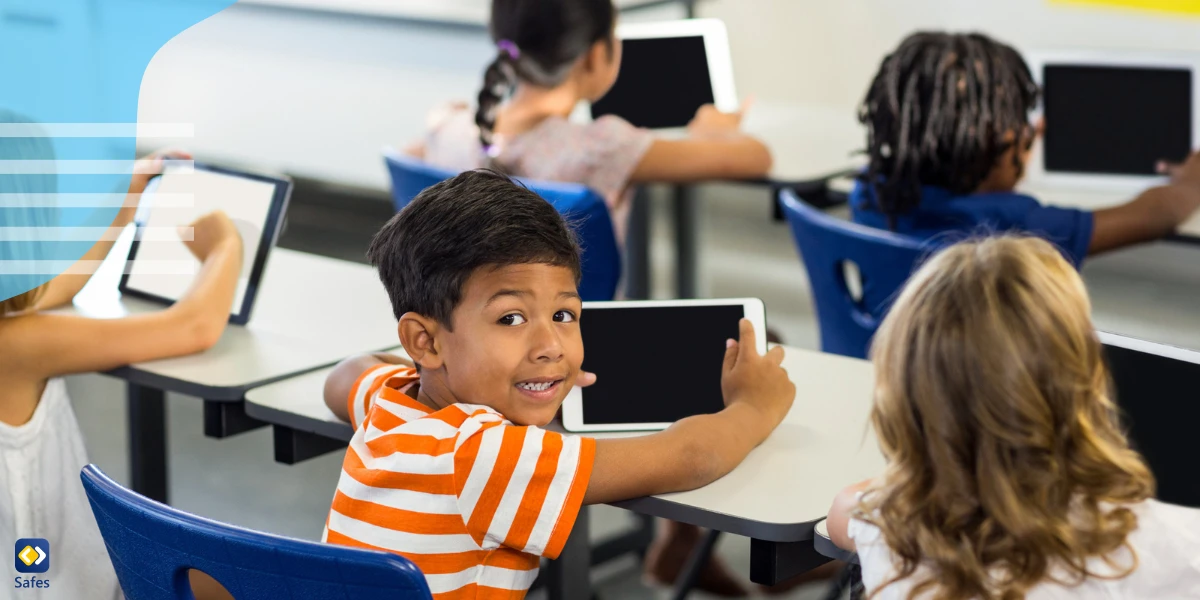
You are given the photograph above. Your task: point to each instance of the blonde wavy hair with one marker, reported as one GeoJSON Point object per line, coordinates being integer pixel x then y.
{"type": "Point", "coordinates": [1007, 466]}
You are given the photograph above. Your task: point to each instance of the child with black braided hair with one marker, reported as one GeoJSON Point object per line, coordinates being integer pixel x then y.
{"type": "Point", "coordinates": [550, 56]}
{"type": "Point", "coordinates": [948, 137]}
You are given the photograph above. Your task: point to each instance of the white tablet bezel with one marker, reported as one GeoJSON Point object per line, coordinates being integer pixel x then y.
{"type": "Point", "coordinates": [716, 48]}
{"type": "Point", "coordinates": [572, 408]}
{"type": "Point", "coordinates": [1037, 174]}
{"type": "Point", "coordinates": [272, 226]}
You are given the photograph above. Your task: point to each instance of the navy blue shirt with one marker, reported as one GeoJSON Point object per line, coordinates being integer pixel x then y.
{"type": "Point", "coordinates": [940, 213]}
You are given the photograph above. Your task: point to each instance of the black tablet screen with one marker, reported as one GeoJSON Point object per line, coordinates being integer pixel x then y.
{"type": "Point", "coordinates": [1116, 120]}
{"type": "Point", "coordinates": [655, 364]}
{"type": "Point", "coordinates": [663, 81]}
{"type": "Point", "coordinates": [1161, 412]}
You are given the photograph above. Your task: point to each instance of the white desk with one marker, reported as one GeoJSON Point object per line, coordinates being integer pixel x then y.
{"type": "Point", "coordinates": [774, 497]}
{"type": "Point", "coordinates": [809, 143]}
{"type": "Point", "coordinates": [310, 312]}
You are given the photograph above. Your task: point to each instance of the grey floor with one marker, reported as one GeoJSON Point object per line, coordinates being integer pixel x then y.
{"type": "Point", "coordinates": [1149, 292]}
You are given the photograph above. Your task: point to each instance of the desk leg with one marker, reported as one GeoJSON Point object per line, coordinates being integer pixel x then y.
{"type": "Point", "coordinates": [569, 577]}
{"type": "Point", "coordinates": [637, 247]}
{"type": "Point", "coordinates": [147, 441]}
{"type": "Point", "coordinates": [684, 209]}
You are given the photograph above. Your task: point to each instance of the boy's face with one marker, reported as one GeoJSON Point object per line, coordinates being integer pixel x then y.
{"type": "Point", "coordinates": [516, 345]}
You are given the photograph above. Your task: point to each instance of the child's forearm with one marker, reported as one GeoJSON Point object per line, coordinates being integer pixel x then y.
{"type": "Point", "coordinates": [692, 453]}
{"type": "Point", "coordinates": [63, 288]}
{"type": "Point", "coordinates": [206, 305]}
{"type": "Point", "coordinates": [1153, 214]}
{"type": "Point", "coordinates": [724, 439]}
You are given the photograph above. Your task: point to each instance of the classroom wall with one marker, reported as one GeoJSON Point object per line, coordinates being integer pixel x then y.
{"type": "Point", "coordinates": [319, 94]}
{"type": "Point", "coordinates": [310, 93]}
{"type": "Point", "coordinates": [825, 51]}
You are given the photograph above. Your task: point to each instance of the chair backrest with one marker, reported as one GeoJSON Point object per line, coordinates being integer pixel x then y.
{"type": "Point", "coordinates": [152, 547]}
{"type": "Point", "coordinates": [884, 261]}
{"type": "Point", "coordinates": [584, 209]}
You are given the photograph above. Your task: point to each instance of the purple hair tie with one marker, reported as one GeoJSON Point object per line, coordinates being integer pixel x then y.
{"type": "Point", "coordinates": [510, 48]}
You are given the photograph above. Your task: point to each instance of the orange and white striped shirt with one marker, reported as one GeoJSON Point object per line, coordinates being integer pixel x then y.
{"type": "Point", "coordinates": [470, 498]}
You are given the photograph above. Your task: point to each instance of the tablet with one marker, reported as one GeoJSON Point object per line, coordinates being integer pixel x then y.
{"type": "Point", "coordinates": [1154, 384]}
{"type": "Point", "coordinates": [668, 71]}
{"type": "Point", "coordinates": [1110, 117]}
{"type": "Point", "coordinates": [656, 361]}
{"type": "Point", "coordinates": [183, 193]}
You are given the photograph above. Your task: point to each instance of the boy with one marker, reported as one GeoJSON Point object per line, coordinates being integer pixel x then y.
{"type": "Point", "coordinates": [948, 138]}
{"type": "Point", "coordinates": [448, 466]}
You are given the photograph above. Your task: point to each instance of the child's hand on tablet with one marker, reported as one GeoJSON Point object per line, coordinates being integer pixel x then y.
{"type": "Point", "coordinates": [711, 122]}
{"type": "Point", "coordinates": [147, 167]}
{"type": "Point", "coordinates": [756, 380]}
{"type": "Point", "coordinates": [585, 379]}
{"type": "Point", "coordinates": [144, 169]}
{"type": "Point", "coordinates": [210, 232]}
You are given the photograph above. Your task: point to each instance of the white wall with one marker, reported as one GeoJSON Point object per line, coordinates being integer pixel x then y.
{"type": "Point", "coordinates": [826, 51]}
{"type": "Point", "coordinates": [319, 95]}
{"type": "Point", "coordinates": [310, 93]}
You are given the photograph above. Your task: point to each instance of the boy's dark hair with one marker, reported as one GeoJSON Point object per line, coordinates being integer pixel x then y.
{"type": "Point", "coordinates": [426, 252]}
{"type": "Point", "coordinates": [538, 41]}
{"type": "Point", "coordinates": [938, 112]}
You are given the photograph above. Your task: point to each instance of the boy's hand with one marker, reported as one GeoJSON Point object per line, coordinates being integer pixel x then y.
{"type": "Point", "coordinates": [754, 380]}
{"type": "Point", "coordinates": [1185, 178]}
{"type": "Point", "coordinates": [585, 379]}
{"type": "Point", "coordinates": [1187, 172]}
{"type": "Point", "coordinates": [209, 232]}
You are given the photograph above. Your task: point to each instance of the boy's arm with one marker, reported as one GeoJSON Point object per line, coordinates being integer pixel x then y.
{"type": "Point", "coordinates": [1152, 215]}
{"type": "Point", "coordinates": [699, 450]}
{"type": "Point", "coordinates": [692, 453]}
{"type": "Point", "coordinates": [339, 382]}
{"type": "Point", "coordinates": [1155, 213]}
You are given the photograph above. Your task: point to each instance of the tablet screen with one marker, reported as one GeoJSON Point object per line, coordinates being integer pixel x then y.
{"type": "Point", "coordinates": [662, 82]}
{"type": "Point", "coordinates": [672, 355]}
{"type": "Point", "coordinates": [1116, 120]}
{"type": "Point", "coordinates": [186, 195]}
{"type": "Point", "coordinates": [1160, 416]}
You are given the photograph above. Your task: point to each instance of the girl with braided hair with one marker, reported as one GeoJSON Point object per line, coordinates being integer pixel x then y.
{"type": "Point", "coordinates": [550, 56]}
{"type": "Point", "coordinates": [948, 137]}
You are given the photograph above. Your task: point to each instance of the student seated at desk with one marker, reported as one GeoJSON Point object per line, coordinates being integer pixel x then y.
{"type": "Point", "coordinates": [552, 54]}
{"type": "Point", "coordinates": [948, 138]}
{"type": "Point", "coordinates": [41, 440]}
{"type": "Point", "coordinates": [449, 466]}
{"type": "Point", "coordinates": [1008, 473]}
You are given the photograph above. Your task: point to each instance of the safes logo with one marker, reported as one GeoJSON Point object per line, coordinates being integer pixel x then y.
{"type": "Point", "coordinates": [33, 555]}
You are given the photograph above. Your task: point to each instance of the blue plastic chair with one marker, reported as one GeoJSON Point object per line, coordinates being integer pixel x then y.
{"type": "Point", "coordinates": [152, 546]}
{"type": "Point", "coordinates": [583, 208]}
{"type": "Point", "coordinates": [884, 260]}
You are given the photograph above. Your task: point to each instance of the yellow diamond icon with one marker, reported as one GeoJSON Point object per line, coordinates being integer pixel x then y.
{"type": "Point", "coordinates": [28, 555]}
